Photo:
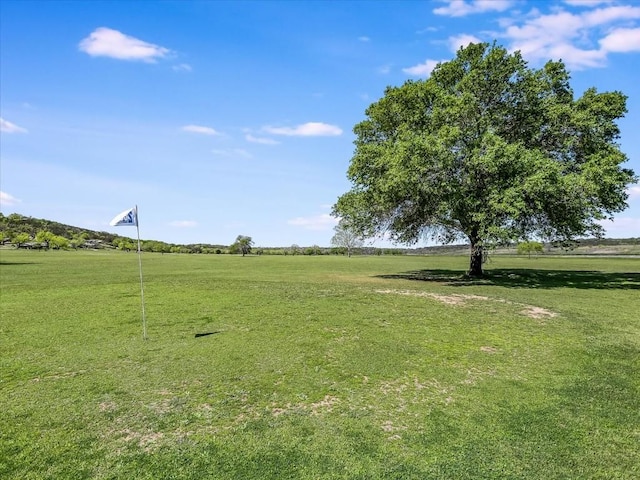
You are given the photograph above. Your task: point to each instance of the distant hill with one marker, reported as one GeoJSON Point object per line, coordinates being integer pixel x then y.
{"type": "Point", "coordinates": [16, 223]}
{"type": "Point", "coordinates": [13, 224]}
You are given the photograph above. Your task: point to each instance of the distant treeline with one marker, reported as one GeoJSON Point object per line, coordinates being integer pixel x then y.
{"type": "Point", "coordinates": [29, 232]}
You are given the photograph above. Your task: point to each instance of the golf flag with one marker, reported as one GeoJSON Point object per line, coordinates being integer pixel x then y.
{"type": "Point", "coordinates": [128, 217]}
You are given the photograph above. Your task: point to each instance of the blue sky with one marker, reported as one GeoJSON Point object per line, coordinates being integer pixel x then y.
{"type": "Point", "coordinates": [226, 118]}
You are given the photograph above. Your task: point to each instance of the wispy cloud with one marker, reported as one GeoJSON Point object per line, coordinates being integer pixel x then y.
{"type": "Point", "coordinates": [364, 39]}
{"type": "Point", "coordinates": [183, 67]}
{"type": "Point", "coordinates": [622, 227]}
{"type": "Point", "coordinates": [586, 3]}
{"type": "Point", "coordinates": [7, 200]}
{"type": "Point", "coordinates": [634, 192]}
{"type": "Point", "coordinates": [455, 42]}
{"type": "Point", "coordinates": [421, 69]}
{"type": "Point", "coordinates": [232, 152]}
{"type": "Point", "coordinates": [106, 42]}
{"type": "Point", "coordinates": [310, 129]}
{"type": "Point", "coordinates": [201, 130]}
{"type": "Point", "coordinates": [461, 8]}
{"type": "Point", "coordinates": [262, 140]}
{"type": "Point", "coordinates": [317, 222]}
{"type": "Point", "coordinates": [183, 224]}
{"type": "Point", "coordinates": [8, 127]}
{"type": "Point", "coordinates": [427, 30]}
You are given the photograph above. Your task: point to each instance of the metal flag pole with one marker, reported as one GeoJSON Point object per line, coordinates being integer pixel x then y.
{"type": "Point", "coordinates": [144, 319]}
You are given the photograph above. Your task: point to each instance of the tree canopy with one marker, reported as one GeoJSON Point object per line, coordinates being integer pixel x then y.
{"type": "Point", "coordinates": [243, 244]}
{"type": "Point", "coordinates": [489, 150]}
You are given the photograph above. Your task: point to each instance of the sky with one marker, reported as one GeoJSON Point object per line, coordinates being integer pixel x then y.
{"type": "Point", "coordinates": [227, 118]}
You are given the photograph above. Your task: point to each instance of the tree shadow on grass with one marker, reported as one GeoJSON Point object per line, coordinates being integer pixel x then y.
{"type": "Point", "coordinates": [528, 278]}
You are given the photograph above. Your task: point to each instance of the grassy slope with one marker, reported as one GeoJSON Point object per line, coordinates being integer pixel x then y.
{"type": "Point", "coordinates": [317, 367]}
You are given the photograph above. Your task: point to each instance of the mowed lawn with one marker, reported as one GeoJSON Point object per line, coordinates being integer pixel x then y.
{"type": "Point", "coordinates": [301, 367]}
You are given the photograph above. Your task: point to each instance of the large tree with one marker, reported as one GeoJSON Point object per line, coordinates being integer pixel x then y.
{"type": "Point", "coordinates": [242, 245]}
{"type": "Point", "coordinates": [489, 150]}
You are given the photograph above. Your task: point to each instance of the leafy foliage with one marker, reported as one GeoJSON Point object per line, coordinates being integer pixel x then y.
{"type": "Point", "coordinates": [243, 245]}
{"type": "Point", "coordinates": [487, 150]}
{"type": "Point", "coordinates": [528, 248]}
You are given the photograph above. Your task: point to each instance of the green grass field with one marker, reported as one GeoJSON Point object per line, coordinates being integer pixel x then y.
{"type": "Point", "coordinates": [318, 367]}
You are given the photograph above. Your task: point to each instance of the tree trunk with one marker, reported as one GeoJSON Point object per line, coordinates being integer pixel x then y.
{"type": "Point", "coordinates": [475, 261]}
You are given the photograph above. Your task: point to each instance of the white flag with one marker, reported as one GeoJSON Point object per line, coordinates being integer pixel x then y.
{"type": "Point", "coordinates": [128, 217]}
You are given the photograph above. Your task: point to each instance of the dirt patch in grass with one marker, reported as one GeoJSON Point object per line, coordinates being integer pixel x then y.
{"type": "Point", "coordinates": [537, 312]}
{"type": "Point", "coordinates": [107, 406]}
{"type": "Point", "coordinates": [323, 406]}
{"type": "Point", "coordinates": [487, 349]}
{"type": "Point", "coordinates": [456, 299]}
{"type": "Point", "coordinates": [326, 404]}
{"type": "Point", "coordinates": [389, 427]}
{"type": "Point", "coordinates": [147, 441]}
{"type": "Point", "coordinates": [59, 376]}
{"type": "Point", "coordinates": [453, 299]}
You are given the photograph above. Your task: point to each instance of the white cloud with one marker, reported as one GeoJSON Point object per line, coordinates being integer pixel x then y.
{"type": "Point", "coordinates": [261, 140]}
{"type": "Point", "coordinates": [310, 129]}
{"type": "Point", "coordinates": [577, 57]}
{"type": "Point", "coordinates": [581, 40]}
{"type": "Point", "coordinates": [602, 16]}
{"type": "Point", "coordinates": [461, 8]}
{"type": "Point", "coordinates": [463, 40]}
{"type": "Point", "coordinates": [183, 224]}
{"type": "Point", "coordinates": [586, 3]}
{"type": "Point", "coordinates": [106, 42]}
{"type": "Point", "coordinates": [201, 130]}
{"type": "Point", "coordinates": [622, 40]}
{"type": "Point", "coordinates": [364, 39]}
{"type": "Point", "coordinates": [318, 222]}
{"type": "Point", "coordinates": [422, 69]}
{"type": "Point", "coordinates": [7, 200]}
{"type": "Point", "coordinates": [8, 127]}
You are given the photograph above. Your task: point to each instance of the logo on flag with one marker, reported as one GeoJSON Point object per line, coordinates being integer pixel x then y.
{"type": "Point", "coordinates": [128, 217]}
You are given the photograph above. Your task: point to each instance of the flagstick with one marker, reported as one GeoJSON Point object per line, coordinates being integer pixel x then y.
{"type": "Point", "coordinates": [144, 320]}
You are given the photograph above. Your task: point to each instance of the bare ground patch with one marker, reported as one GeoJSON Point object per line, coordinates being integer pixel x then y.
{"type": "Point", "coordinates": [59, 376]}
{"type": "Point", "coordinates": [537, 312]}
{"type": "Point", "coordinates": [457, 299]}
{"type": "Point", "coordinates": [487, 349]}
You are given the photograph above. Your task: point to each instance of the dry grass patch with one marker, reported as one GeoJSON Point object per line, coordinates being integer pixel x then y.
{"type": "Point", "coordinates": [318, 408]}
{"type": "Point", "coordinates": [457, 299]}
